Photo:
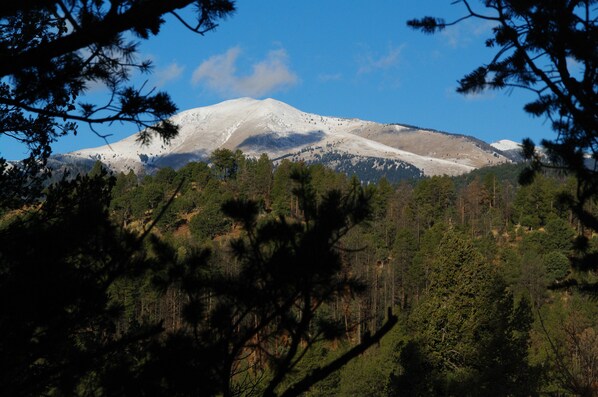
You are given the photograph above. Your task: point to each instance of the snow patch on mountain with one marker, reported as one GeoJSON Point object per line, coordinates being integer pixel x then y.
{"type": "Point", "coordinates": [273, 127]}
{"type": "Point", "coordinates": [505, 144]}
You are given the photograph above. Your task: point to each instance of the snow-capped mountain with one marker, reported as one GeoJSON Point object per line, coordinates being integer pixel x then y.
{"type": "Point", "coordinates": [510, 149]}
{"type": "Point", "coordinates": [273, 127]}
{"type": "Point", "coordinates": [506, 145]}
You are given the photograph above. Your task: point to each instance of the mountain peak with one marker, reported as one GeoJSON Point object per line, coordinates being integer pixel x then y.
{"type": "Point", "coordinates": [273, 127]}
{"type": "Point", "coordinates": [248, 101]}
{"type": "Point", "coordinates": [506, 144]}
{"type": "Point", "coordinates": [246, 106]}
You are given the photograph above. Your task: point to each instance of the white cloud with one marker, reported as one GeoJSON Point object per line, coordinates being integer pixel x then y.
{"type": "Point", "coordinates": [371, 63]}
{"type": "Point", "coordinates": [169, 73]}
{"type": "Point", "coordinates": [219, 73]}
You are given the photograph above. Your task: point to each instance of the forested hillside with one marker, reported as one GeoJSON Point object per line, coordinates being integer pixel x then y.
{"type": "Point", "coordinates": [487, 278]}
{"type": "Point", "coordinates": [236, 278]}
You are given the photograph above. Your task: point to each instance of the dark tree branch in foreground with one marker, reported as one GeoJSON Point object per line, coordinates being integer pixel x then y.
{"type": "Point", "coordinates": [52, 51]}
{"type": "Point", "coordinates": [321, 373]}
{"type": "Point", "coordinates": [270, 307]}
{"type": "Point", "coordinates": [549, 48]}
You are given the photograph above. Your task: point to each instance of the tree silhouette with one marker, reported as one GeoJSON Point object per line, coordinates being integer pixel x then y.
{"type": "Point", "coordinates": [548, 48]}
{"type": "Point", "coordinates": [64, 264]}
{"type": "Point", "coordinates": [50, 53]}
{"type": "Point", "coordinates": [57, 264]}
{"type": "Point", "coordinates": [267, 313]}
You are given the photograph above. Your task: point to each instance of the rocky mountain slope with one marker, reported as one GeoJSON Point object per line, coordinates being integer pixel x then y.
{"type": "Point", "coordinates": [273, 127]}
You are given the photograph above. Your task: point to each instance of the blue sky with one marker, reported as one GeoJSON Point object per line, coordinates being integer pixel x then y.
{"type": "Point", "coordinates": [345, 58]}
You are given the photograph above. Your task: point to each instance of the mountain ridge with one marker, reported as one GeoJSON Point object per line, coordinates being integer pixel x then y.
{"type": "Point", "coordinates": [282, 131]}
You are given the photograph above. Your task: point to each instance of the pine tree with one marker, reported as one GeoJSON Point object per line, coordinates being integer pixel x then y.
{"type": "Point", "coordinates": [469, 328]}
{"type": "Point", "coordinates": [549, 49]}
{"type": "Point", "coordinates": [50, 53]}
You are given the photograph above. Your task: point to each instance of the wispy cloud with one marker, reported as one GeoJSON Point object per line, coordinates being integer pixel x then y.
{"type": "Point", "coordinates": [219, 73]}
{"type": "Point", "coordinates": [464, 33]}
{"type": "Point", "coordinates": [169, 73]}
{"type": "Point", "coordinates": [372, 62]}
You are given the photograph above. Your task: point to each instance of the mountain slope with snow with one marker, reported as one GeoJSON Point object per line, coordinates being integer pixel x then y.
{"type": "Point", "coordinates": [510, 149]}
{"type": "Point", "coordinates": [505, 144]}
{"type": "Point", "coordinates": [281, 131]}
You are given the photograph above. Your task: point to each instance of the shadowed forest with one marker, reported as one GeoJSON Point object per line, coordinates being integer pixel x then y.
{"type": "Point", "coordinates": [192, 275]}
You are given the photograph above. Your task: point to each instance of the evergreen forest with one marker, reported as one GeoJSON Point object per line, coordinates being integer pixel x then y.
{"type": "Point", "coordinates": [240, 278]}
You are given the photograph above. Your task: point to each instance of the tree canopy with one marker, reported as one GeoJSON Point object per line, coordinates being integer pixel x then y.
{"type": "Point", "coordinates": [225, 280]}
{"type": "Point", "coordinates": [548, 48]}
{"type": "Point", "coordinates": [474, 336]}
{"type": "Point", "coordinates": [51, 51]}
